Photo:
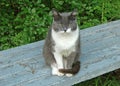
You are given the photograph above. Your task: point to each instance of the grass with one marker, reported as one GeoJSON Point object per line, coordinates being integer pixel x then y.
{"type": "Point", "coordinates": [110, 79]}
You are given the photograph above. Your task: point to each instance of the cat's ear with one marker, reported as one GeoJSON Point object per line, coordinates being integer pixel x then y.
{"type": "Point", "coordinates": [56, 15]}
{"type": "Point", "coordinates": [73, 14]}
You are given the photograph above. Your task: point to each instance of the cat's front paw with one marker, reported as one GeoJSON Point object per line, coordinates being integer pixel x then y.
{"type": "Point", "coordinates": [56, 72]}
{"type": "Point", "coordinates": [60, 74]}
{"type": "Point", "coordinates": [69, 75]}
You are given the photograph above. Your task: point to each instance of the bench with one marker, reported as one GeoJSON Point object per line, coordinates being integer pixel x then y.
{"type": "Point", "coordinates": [25, 66]}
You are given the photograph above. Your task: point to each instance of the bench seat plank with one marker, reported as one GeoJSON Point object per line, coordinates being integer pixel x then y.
{"type": "Point", "coordinates": [25, 66]}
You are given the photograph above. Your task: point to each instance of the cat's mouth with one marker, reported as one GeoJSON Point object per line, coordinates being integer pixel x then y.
{"type": "Point", "coordinates": [65, 30]}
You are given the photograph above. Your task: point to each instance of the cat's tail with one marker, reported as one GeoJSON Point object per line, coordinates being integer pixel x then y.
{"type": "Point", "coordinates": [75, 69]}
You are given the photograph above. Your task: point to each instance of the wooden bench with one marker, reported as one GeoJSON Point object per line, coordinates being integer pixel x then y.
{"type": "Point", "coordinates": [24, 65]}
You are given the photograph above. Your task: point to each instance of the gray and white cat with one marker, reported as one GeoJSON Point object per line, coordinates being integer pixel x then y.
{"type": "Point", "coordinates": [62, 45]}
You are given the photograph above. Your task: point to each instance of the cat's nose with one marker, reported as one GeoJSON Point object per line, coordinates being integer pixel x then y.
{"type": "Point", "coordinates": [65, 30]}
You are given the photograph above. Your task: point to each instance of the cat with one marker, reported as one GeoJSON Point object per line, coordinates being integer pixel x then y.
{"type": "Point", "coordinates": [61, 49]}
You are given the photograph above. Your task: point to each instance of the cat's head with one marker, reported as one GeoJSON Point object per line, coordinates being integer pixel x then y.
{"type": "Point", "coordinates": [64, 22]}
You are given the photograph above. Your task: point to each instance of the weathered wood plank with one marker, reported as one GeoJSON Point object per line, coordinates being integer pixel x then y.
{"type": "Point", "coordinates": [19, 51]}
{"type": "Point", "coordinates": [85, 74]}
{"type": "Point", "coordinates": [43, 74]}
{"type": "Point", "coordinates": [99, 28]}
{"type": "Point", "coordinates": [10, 67]}
{"type": "Point", "coordinates": [24, 65]}
{"type": "Point", "coordinates": [97, 36]}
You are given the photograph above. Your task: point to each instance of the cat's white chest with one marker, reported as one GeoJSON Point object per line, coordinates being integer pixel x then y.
{"type": "Point", "coordinates": [65, 42]}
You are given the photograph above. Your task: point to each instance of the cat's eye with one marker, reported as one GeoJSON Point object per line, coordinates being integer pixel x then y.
{"type": "Point", "coordinates": [72, 18]}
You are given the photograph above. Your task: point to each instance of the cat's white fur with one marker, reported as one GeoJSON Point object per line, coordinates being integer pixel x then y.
{"type": "Point", "coordinates": [64, 45]}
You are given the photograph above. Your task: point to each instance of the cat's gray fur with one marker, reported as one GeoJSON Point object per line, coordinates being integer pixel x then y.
{"type": "Point", "coordinates": [62, 21]}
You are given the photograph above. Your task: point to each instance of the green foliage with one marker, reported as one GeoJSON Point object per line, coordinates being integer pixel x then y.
{"type": "Point", "coordinates": [105, 80]}
{"type": "Point", "coordinates": [25, 21]}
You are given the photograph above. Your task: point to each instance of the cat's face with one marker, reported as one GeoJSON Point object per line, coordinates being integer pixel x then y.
{"type": "Point", "coordinates": [64, 22]}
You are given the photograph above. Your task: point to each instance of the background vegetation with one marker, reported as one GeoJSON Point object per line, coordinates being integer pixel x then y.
{"type": "Point", "coordinates": [26, 21]}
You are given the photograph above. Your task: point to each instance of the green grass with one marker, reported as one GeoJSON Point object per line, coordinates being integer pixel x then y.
{"type": "Point", "coordinates": [110, 79]}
